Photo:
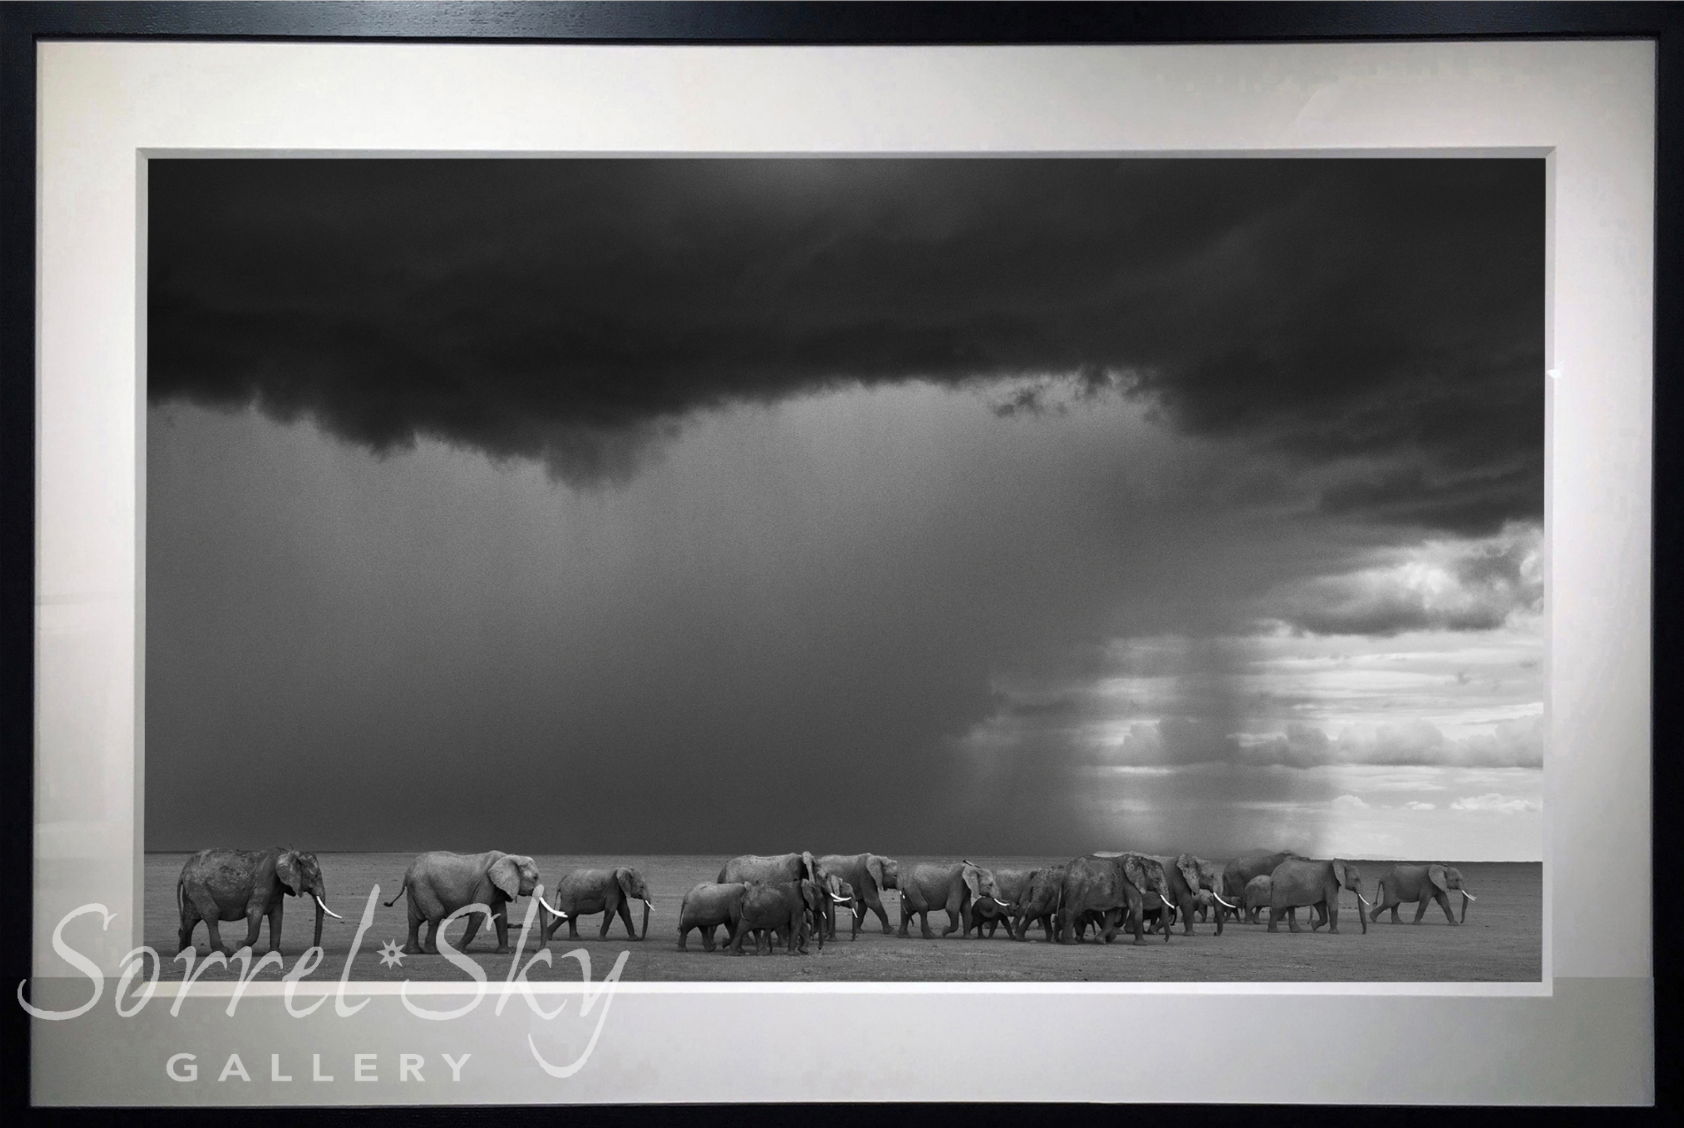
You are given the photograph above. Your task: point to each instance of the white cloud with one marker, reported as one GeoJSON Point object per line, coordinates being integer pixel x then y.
{"type": "Point", "coordinates": [1507, 744]}
{"type": "Point", "coordinates": [1348, 803]}
{"type": "Point", "coordinates": [1493, 802]}
{"type": "Point", "coordinates": [1417, 805]}
{"type": "Point", "coordinates": [1460, 585]}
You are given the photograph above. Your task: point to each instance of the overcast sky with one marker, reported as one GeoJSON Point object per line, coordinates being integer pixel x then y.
{"type": "Point", "coordinates": [921, 506]}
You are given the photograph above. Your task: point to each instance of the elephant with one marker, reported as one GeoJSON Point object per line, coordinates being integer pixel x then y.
{"type": "Point", "coordinates": [584, 892]}
{"type": "Point", "coordinates": [1238, 872]}
{"type": "Point", "coordinates": [952, 887]}
{"type": "Point", "coordinates": [1256, 897]}
{"type": "Point", "coordinates": [219, 885]}
{"type": "Point", "coordinates": [1040, 901]}
{"type": "Point", "coordinates": [1217, 886]}
{"type": "Point", "coordinates": [779, 908]}
{"type": "Point", "coordinates": [839, 892]}
{"type": "Point", "coordinates": [1188, 877]}
{"type": "Point", "coordinates": [439, 883]}
{"type": "Point", "coordinates": [769, 868]}
{"type": "Point", "coordinates": [1106, 884]}
{"type": "Point", "coordinates": [707, 906]}
{"type": "Point", "coordinates": [1421, 884]}
{"type": "Point", "coordinates": [869, 874]}
{"type": "Point", "coordinates": [1010, 885]}
{"type": "Point", "coordinates": [1303, 882]}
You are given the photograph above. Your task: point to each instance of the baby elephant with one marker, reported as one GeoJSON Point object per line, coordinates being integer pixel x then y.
{"type": "Point", "coordinates": [1256, 898]}
{"type": "Point", "coordinates": [1421, 884]}
{"type": "Point", "coordinates": [780, 910]}
{"type": "Point", "coordinates": [709, 905]}
{"type": "Point", "coordinates": [583, 892]}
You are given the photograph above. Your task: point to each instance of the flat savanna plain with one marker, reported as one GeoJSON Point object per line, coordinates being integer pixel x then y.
{"type": "Point", "coordinates": [1502, 939]}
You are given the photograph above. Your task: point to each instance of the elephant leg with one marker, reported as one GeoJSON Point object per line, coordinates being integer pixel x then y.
{"type": "Point", "coordinates": [924, 924]}
{"type": "Point", "coordinates": [275, 927]}
{"type": "Point", "coordinates": [413, 945]}
{"type": "Point", "coordinates": [1332, 912]}
{"type": "Point", "coordinates": [954, 920]}
{"type": "Point", "coordinates": [1420, 910]}
{"type": "Point", "coordinates": [189, 921]}
{"type": "Point", "coordinates": [500, 922]}
{"type": "Point", "coordinates": [1292, 919]}
{"type": "Point", "coordinates": [214, 933]}
{"type": "Point", "coordinates": [626, 916]}
{"type": "Point", "coordinates": [874, 902]}
{"type": "Point", "coordinates": [1444, 903]}
{"type": "Point", "coordinates": [431, 947]}
{"type": "Point", "coordinates": [905, 918]}
{"type": "Point", "coordinates": [254, 926]}
{"type": "Point", "coordinates": [473, 930]}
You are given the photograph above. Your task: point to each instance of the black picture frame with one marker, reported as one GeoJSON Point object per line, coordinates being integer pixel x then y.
{"type": "Point", "coordinates": [914, 22]}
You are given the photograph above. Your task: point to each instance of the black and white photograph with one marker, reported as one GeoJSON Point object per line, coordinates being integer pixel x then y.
{"type": "Point", "coordinates": [857, 568]}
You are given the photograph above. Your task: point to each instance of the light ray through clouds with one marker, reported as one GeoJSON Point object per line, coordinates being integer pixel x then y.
{"type": "Point", "coordinates": [1323, 743]}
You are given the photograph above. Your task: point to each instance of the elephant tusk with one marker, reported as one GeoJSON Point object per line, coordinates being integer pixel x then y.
{"type": "Point", "coordinates": [646, 902]}
{"type": "Point", "coordinates": [327, 910]}
{"type": "Point", "coordinates": [1002, 904]}
{"type": "Point", "coordinates": [1469, 896]}
{"type": "Point", "coordinates": [839, 900]}
{"type": "Point", "coordinates": [1221, 902]}
{"type": "Point", "coordinates": [1363, 899]}
{"type": "Point", "coordinates": [553, 910]}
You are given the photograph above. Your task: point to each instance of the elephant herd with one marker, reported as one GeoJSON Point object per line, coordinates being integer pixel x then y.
{"type": "Point", "coordinates": [790, 899]}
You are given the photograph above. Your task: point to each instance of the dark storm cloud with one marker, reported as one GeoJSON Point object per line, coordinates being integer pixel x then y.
{"type": "Point", "coordinates": [1385, 316]}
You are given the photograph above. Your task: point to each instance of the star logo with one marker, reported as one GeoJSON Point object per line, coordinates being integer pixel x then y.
{"type": "Point", "coordinates": [390, 954]}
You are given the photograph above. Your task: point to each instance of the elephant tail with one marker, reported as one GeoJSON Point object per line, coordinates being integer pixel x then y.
{"type": "Point", "coordinates": [179, 906]}
{"type": "Point", "coordinates": [402, 885]}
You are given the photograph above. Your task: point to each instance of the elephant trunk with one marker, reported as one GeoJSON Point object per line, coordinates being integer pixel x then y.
{"type": "Point", "coordinates": [645, 930]}
{"type": "Point", "coordinates": [320, 908]}
{"type": "Point", "coordinates": [1466, 897]}
{"type": "Point", "coordinates": [1362, 911]}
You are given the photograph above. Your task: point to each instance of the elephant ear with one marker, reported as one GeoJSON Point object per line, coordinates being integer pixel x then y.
{"type": "Point", "coordinates": [1435, 874]}
{"type": "Point", "coordinates": [973, 880]}
{"type": "Point", "coordinates": [1189, 871]}
{"type": "Point", "coordinates": [1136, 873]}
{"type": "Point", "coordinates": [874, 866]}
{"type": "Point", "coordinates": [808, 869]}
{"type": "Point", "coordinates": [505, 875]}
{"type": "Point", "coordinates": [290, 872]}
{"type": "Point", "coordinates": [627, 879]}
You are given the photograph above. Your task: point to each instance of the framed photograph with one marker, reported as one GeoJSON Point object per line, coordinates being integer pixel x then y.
{"type": "Point", "coordinates": [657, 554]}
